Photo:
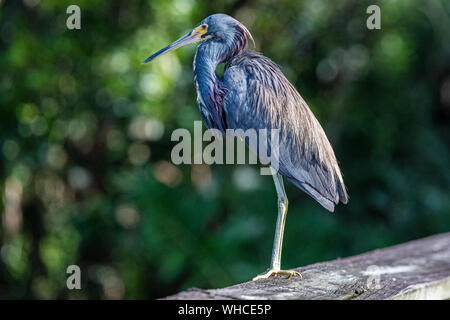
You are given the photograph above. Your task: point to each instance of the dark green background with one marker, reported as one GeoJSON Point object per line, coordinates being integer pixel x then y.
{"type": "Point", "coordinates": [85, 170]}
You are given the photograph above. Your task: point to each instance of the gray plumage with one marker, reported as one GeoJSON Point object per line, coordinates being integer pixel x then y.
{"type": "Point", "coordinates": [258, 95]}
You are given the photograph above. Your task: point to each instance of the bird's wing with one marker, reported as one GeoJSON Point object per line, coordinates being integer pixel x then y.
{"type": "Point", "coordinates": [258, 96]}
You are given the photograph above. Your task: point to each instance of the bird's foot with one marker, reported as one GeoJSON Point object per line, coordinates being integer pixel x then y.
{"type": "Point", "coordinates": [273, 272]}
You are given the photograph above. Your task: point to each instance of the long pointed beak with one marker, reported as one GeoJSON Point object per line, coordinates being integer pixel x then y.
{"type": "Point", "coordinates": [192, 37]}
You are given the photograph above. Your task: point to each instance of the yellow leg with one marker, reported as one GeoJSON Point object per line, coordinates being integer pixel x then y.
{"type": "Point", "coordinates": [275, 264]}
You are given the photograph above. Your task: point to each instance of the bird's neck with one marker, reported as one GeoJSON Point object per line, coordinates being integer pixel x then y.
{"type": "Point", "coordinates": [209, 86]}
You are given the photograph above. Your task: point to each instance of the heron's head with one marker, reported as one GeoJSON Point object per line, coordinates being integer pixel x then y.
{"type": "Point", "coordinates": [219, 29]}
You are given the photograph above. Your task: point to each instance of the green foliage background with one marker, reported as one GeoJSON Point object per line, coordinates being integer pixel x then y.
{"type": "Point", "coordinates": [85, 171]}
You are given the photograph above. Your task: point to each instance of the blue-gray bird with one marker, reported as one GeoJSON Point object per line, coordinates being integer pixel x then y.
{"type": "Point", "coordinates": [254, 94]}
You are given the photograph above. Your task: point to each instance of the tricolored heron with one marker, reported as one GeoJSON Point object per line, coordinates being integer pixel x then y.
{"type": "Point", "coordinates": [253, 94]}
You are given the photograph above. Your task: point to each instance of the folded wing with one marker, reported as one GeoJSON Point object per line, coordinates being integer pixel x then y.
{"type": "Point", "coordinates": [258, 96]}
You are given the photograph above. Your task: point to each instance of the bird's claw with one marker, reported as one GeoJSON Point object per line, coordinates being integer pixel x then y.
{"type": "Point", "coordinates": [271, 273]}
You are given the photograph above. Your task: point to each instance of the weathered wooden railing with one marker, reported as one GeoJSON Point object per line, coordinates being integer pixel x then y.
{"type": "Point", "coordinates": [418, 269]}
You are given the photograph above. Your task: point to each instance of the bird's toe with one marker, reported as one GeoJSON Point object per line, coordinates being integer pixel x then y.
{"type": "Point", "coordinates": [271, 273]}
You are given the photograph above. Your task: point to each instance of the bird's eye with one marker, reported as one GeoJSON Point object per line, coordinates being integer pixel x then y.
{"type": "Point", "coordinates": [203, 26]}
{"type": "Point", "coordinates": [217, 38]}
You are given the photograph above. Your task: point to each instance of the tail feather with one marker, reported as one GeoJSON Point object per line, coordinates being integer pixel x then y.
{"type": "Point", "coordinates": [343, 196]}
{"type": "Point", "coordinates": [322, 197]}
